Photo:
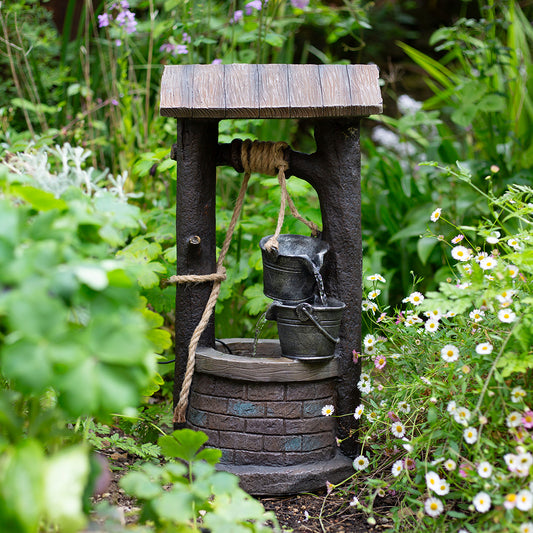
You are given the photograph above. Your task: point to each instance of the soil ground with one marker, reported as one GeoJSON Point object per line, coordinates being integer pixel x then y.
{"type": "Point", "coordinates": [302, 513]}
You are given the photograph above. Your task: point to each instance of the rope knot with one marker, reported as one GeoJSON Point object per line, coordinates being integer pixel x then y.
{"type": "Point", "coordinates": [264, 157]}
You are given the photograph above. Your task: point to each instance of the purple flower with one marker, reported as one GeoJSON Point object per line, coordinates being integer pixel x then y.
{"type": "Point", "coordinates": [103, 20]}
{"type": "Point", "coordinates": [174, 49]}
{"type": "Point", "coordinates": [114, 102]}
{"type": "Point", "coordinates": [254, 4]}
{"type": "Point", "coordinates": [236, 16]}
{"type": "Point", "coordinates": [300, 4]}
{"type": "Point", "coordinates": [126, 19]}
{"type": "Point", "coordinates": [118, 42]}
{"type": "Point", "coordinates": [216, 61]}
{"type": "Point", "coordinates": [124, 4]}
{"type": "Point", "coordinates": [186, 38]}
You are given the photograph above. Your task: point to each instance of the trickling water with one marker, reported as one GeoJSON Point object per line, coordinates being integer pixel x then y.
{"type": "Point", "coordinates": [258, 328]}
{"type": "Point", "coordinates": [320, 286]}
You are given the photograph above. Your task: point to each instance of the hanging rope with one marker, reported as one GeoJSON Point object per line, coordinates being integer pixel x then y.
{"type": "Point", "coordinates": [264, 158]}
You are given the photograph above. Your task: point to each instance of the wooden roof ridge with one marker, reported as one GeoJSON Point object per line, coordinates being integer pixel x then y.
{"type": "Point", "coordinates": [270, 91]}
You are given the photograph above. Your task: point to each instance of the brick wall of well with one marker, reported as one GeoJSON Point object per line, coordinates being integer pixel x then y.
{"type": "Point", "coordinates": [271, 424]}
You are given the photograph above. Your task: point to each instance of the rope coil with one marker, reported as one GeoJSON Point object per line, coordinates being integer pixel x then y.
{"type": "Point", "coordinates": [256, 156]}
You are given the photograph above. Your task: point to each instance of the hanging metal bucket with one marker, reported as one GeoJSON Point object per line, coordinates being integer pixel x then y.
{"type": "Point", "coordinates": [290, 273]}
{"type": "Point", "coordinates": [307, 332]}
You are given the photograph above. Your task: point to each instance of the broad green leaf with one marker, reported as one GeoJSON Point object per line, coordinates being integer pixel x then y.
{"type": "Point", "coordinates": [140, 485]}
{"type": "Point", "coordinates": [492, 103]}
{"type": "Point", "coordinates": [39, 199]}
{"type": "Point", "coordinates": [211, 455]}
{"type": "Point", "coordinates": [22, 470]}
{"type": "Point", "coordinates": [160, 338]}
{"type": "Point", "coordinates": [65, 479]}
{"type": "Point", "coordinates": [424, 247]}
{"type": "Point", "coordinates": [176, 506]}
{"type": "Point", "coordinates": [182, 444]}
{"type": "Point", "coordinates": [464, 116]}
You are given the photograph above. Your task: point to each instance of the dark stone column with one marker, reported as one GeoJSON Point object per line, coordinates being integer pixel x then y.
{"type": "Point", "coordinates": [334, 171]}
{"type": "Point", "coordinates": [195, 153]}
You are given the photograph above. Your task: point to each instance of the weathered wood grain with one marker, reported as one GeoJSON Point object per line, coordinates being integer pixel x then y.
{"type": "Point", "coordinates": [270, 91]}
{"type": "Point", "coordinates": [208, 92]}
{"type": "Point", "coordinates": [273, 91]}
{"type": "Point", "coordinates": [241, 91]}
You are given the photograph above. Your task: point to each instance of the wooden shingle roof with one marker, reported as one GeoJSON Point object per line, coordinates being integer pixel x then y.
{"type": "Point", "coordinates": [270, 91]}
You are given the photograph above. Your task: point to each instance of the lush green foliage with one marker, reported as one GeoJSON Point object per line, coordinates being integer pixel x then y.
{"type": "Point", "coordinates": [446, 415]}
{"type": "Point", "coordinates": [187, 494]}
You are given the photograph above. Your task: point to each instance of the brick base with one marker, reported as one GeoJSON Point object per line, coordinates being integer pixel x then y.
{"type": "Point", "coordinates": [275, 425]}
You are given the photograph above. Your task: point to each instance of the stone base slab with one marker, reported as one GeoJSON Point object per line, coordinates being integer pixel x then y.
{"type": "Point", "coordinates": [285, 480]}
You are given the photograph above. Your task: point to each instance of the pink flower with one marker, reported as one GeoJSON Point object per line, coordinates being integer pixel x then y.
{"type": "Point", "coordinates": [393, 416]}
{"type": "Point", "coordinates": [527, 419]}
{"type": "Point", "coordinates": [355, 356]}
{"type": "Point", "coordinates": [300, 4]}
{"type": "Point", "coordinates": [103, 20]}
{"type": "Point", "coordinates": [236, 16]}
{"type": "Point", "coordinates": [254, 4]}
{"type": "Point", "coordinates": [380, 361]}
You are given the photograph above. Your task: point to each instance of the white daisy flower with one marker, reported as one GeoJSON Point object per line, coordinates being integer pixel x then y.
{"type": "Point", "coordinates": [433, 507]}
{"type": "Point", "coordinates": [513, 419]}
{"type": "Point", "coordinates": [526, 527]}
{"type": "Point", "coordinates": [354, 502]}
{"type": "Point", "coordinates": [484, 469]}
{"type": "Point", "coordinates": [411, 320]}
{"type": "Point", "coordinates": [511, 460]}
{"type": "Point", "coordinates": [404, 407]}
{"type": "Point", "coordinates": [367, 305]}
{"type": "Point", "coordinates": [477, 315]}
{"type": "Point", "coordinates": [470, 435]}
{"type": "Point", "coordinates": [359, 410]}
{"type": "Point", "coordinates": [484, 348]}
{"type": "Point", "coordinates": [328, 410]}
{"type": "Point", "coordinates": [482, 502]}
{"type": "Point", "coordinates": [452, 407]}
{"type": "Point", "coordinates": [450, 314]}
{"type": "Point", "coordinates": [369, 350]}
{"type": "Point", "coordinates": [515, 243]}
{"type": "Point", "coordinates": [457, 239]}
{"type": "Point", "coordinates": [365, 387]}
{"type": "Point", "coordinates": [398, 430]}
{"type": "Point", "coordinates": [512, 270]}
{"type": "Point", "coordinates": [416, 298]}
{"type": "Point", "coordinates": [467, 268]}
{"type": "Point", "coordinates": [372, 416]}
{"type": "Point", "coordinates": [376, 277]}
{"type": "Point", "coordinates": [524, 500]}
{"type": "Point", "coordinates": [425, 380]}
{"type": "Point", "coordinates": [442, 488]}
{"type": "Point", "coordinates": [397, 467]}
{"type": "Point", "coordinates": [432, 480]}
{"type": "Point", "coordinates": [360, 463]}
{"type": "Point", "coordinates": [369, 340]}
{"type": "Point", "coordinates": [435, 314]}
{"type": "Point", "coordinates": [431, 325]}
{"type": "Point", "coordinates": [506, 315]}
{"type": "Point", "coordinates": [450, 465]}
{"type": "Point", "coordinates": [460, 253]}
{"type": "Point", "coordinates": [517, 394]}
{"type": "Point", "coordinates": [488, 263]}
{"type": "Point", "coordinates": [372, 295]}
{"type": "Point", "coordinates": [462, 415]}
{"type": "Point", "coordinates": [450, 353]}
{"type": "Point", "coordinates": [494, 238]}
{"type": "Point", "coordinates": [480, 256]}
{"type": "Point", "coordinates": [436, 214]}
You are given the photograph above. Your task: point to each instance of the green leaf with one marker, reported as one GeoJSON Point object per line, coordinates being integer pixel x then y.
{"type": "Point", "coordinates": [39, 199]}
{"type": "Point", "coordinates": [176, 506]}
{"type": "Point", "coordinates": [182, 444]}
{"type": "Point", "coordinates": [21, 487]}
{"type": "Point", "coordinates": [492, 103]}
{"type": "Point", "coordinates": [464, 116]}
{"type": "Point", "coordinates": [140, 485]}
{"type": "Point", "coordinates": [160, 338]}
{"type": "Point", "coordinates": [65, 479]}
{"type": "Point", "coordinates": [210, 455]}
{"type": "Point", "coordinates": [424, 248]}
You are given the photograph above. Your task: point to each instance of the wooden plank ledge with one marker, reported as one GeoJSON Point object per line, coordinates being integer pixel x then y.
{"type": "Point", "coordinates": [269, 366]}
{"type": "Point", "coordinates": [270, 91]}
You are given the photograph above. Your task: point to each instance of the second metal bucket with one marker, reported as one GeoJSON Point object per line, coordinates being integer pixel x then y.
{"type": "Point", "coordinates": [307, 332]}
{"type": "Point", "coordinates": [290, 273]}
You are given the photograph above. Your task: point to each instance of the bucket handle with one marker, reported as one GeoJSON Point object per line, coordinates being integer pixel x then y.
{"type": "Point", "coordinates": [307, 310]}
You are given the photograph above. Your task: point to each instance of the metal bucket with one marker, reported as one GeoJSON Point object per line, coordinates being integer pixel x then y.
{"type": "Point", "coordinates": [307, 332]}
{"type": "Point", "coordinates": [291, 271]}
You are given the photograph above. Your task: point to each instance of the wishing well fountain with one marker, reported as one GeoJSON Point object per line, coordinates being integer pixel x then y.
{"type": "Point", "coordinates": [265, 412]}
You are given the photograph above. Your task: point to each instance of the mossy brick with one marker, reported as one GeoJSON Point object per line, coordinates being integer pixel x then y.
{"type": "Point", "coordinates": [271, 426]}
{"type": "Point", "coordinates": [196, 417]}
{"type": "Point", "coordinates": [313, 408]}
{"type": "Point", "coordinates": [303, 426]}
{"type": "Point", "coordinates": [284, 409]}
{"type": "Point", "coordinates": [266, 391]}
{"type": "Point", "coordinates": [212, 404]}
{"type": "Point", "coordinates": [281, 443]}
{"type": "Point", "coordinates": [245, 408]}
{"type": "Point", "coordinates": [240, 441]}
{"type": "Point", "coordinates": [317, 441]}
{"type": "Point", "coordinates": [224, 388]}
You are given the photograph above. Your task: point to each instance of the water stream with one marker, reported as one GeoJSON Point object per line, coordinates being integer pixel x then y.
{"type": "Point", "coordinates": [320, 285]}
{"type": "Point", "coordinates": [260, 324]}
